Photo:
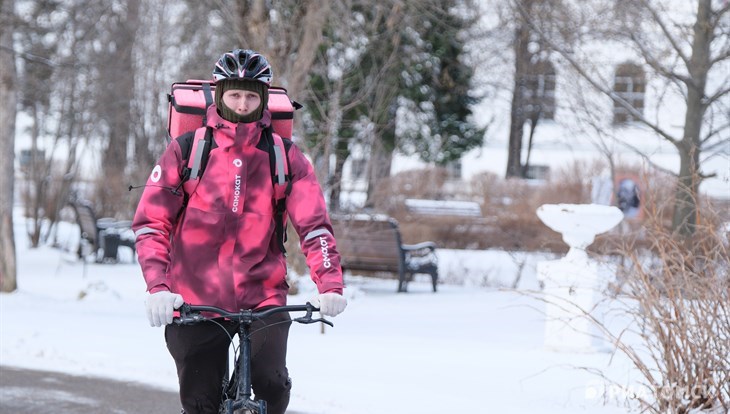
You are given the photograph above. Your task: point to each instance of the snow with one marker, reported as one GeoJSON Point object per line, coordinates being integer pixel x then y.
{"type": "Point", "coordinates": [473, 347]}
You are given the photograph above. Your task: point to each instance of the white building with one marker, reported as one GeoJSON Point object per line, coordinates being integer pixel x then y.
{"type": "Point", "coordinates": [583, 123]}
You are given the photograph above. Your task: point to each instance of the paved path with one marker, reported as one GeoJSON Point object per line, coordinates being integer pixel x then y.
{"type": "Point", "coordinates": [31, 392]}
{"type": "Point", "coordinates": [26, 392]}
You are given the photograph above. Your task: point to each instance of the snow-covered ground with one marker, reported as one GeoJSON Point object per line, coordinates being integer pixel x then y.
{"type": "Point", "coordinates": [470, 348]}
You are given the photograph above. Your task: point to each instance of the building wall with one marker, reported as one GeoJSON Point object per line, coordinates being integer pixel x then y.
{"type": "Point", "coordinates": [583, 129]}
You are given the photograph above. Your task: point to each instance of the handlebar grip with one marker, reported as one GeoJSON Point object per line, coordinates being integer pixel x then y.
{"type": "Point", "coordinates": [325, 321]}
{"type": "Point", "coordinates": [307, 320]}
{"type": "Point", "coordinates": [187, 316]}
{"type": "Point", "coordinates": [187, 320]}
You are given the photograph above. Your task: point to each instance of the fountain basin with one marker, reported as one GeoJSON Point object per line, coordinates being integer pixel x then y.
{"type": "Point", "coordinates": [579, 223]}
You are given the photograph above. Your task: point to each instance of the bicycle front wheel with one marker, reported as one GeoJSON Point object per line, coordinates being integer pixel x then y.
{"type": "Point", "coordinates": [231, 406]}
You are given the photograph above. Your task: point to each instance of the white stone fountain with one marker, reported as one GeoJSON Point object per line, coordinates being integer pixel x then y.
{"type": "Point", "coordinates": [572, 284]}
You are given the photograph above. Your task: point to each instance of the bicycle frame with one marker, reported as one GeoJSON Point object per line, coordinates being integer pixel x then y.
{"type": "Point", "coordinates": [192, 314]}
{"type": "Point", "coordinates": [243, 381]}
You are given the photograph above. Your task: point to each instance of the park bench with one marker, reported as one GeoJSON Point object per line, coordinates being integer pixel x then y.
{"type": "Point", "coordinates": [101, 238]}
{"type": "Point", "coordinates": [443, 208]}
{"type": "Point", "coordinates": [372, 244]}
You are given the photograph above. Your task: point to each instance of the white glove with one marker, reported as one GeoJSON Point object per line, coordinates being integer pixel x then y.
{"type": "Point", "coordinates": [330, 304]}
{"type": "Point", "coordinates": [160, 306]}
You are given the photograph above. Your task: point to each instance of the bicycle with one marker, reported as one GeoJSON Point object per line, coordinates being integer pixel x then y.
{"type": "Point", "coordinates": [237, 393]}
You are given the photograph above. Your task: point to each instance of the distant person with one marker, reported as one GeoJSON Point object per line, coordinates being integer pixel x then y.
{"type": "Point", "coordinates": [220, 248]}
{"type": "Point", "coordinates": [628, 198]}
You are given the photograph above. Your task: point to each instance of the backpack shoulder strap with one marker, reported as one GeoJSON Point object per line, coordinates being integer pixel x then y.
{"type": "Point", "coordinates": [281, 180]}
{"type": "Point", "coordinates": [197, 159]}
{"type": "Point", "coordinates": [281, 177]}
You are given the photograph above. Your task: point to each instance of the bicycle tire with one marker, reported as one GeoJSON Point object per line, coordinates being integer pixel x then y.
{"type": "Point", "coordinates": [224, 410]}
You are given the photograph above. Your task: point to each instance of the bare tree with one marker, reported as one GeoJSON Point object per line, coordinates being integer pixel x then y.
{"type": "Point", "coordinates": [381, 104]}
{"type": "Point", "coordinates": [116, 94]}
{"type": "Point", "coordinates": [690, 57]}
{"type": "Point", "coordinates": [532, 81]}
{"type": "Point", "coordinates": [517, 115]}
{"type": "Point", "coordinates": [156, 41]}
{"type": "Point", "coordinates": [339, 86]}
{"type": "Point", "coordinates": [57, 83]}
{"type": "Point", "coordinates": [288, 32]}
{"type": "Point", "coordinates": [388, 57]}
{"type": "Point", "coordinates": [8, 101]}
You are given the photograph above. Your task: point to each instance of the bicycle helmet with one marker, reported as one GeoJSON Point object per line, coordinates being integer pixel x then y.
{"type": "Point", "coordinates": [243, 64]}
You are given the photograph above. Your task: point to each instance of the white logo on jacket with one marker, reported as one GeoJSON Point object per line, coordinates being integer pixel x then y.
{"type": "Point", "coordinates": [237, 163]}
{"type": "Point", "coordinates": [236, 193]}
{"type": "Point", "coordinates": [325, 253]}
{"type": "Point", "coordinates": [156, 173]}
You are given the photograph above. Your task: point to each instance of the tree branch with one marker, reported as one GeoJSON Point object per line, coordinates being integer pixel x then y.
{"type": "Point", "coordinates": [658, 19]}
{"type": "Point", "coordinates": [34, 58]}
{"type": "Point", "coordinates": [595, 83]}
{"type": "Point", "coordinates": [646, 157]}
{"type": "Point", "coordinates": [720, 57]}
{"type": "Point", "coordinates": [611, 94]}
{"type": "Point", "coordinates": [657, 66]}
{"type": "Point", "coordinates": [717, 95]}
{"type": "Point", "coordinates": [710, 135]}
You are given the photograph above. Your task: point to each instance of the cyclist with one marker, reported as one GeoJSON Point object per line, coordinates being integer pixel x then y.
{"type": "Point", "coordinates": [219, 248]}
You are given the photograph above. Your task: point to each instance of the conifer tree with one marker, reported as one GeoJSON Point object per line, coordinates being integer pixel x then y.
{"type": "Point", "coordinates": [436, 87]}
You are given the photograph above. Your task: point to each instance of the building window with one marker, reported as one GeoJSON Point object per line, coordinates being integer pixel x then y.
{"type": "Point", "coordinates": [630, 86]}
{"type": "Point", "coordinates": [539, 91]}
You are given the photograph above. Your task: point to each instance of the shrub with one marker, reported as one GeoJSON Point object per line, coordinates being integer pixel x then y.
{"type": "Point", "coordinates": [677, 292]}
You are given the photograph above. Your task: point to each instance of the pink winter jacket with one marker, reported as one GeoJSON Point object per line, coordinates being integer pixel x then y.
{"type": "Point", "coordinates": [222, 249]}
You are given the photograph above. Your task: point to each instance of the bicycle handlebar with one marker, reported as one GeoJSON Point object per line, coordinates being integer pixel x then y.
{"type": "Point", "coordinates": [192, 314]}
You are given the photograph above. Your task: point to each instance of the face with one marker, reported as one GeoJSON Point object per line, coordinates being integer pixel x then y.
{"type": "Point", "coordinates": [241, 101]}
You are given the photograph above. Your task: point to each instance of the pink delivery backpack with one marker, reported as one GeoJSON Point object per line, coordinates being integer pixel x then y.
{"type": "Point", "coordinates": [188, 105]}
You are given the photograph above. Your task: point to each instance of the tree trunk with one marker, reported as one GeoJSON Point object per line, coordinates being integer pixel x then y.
{"type": "Point", "coordinates": [113, 183]}
{"type": "Point", "coordinates": [252, 21]}
{"type": "Point", "coordinates": [517, 115]}
{"type": "Point", "coordinates": [378, 170]}
{"type": "Point", "coordinates": [534, 120]}
{"type": "Point", "coordinates": [8, 100]}
{"type": "Point", "coordinates": [684, 220]}
{"type": "Point", "coordinates": [335, 181]}
{"type": "Point", "coordinates": [313, 22]}
{"type": "Point", "coordinates": [35, 182]}
{"type": "Point", "coordinates": [334, 144]}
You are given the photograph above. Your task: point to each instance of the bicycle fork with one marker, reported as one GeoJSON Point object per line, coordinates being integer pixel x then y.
{"type": "Point", "coordinates": [243, 392]}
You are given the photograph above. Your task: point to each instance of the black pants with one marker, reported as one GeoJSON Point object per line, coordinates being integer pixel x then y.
{"type": "Point", "coordinates": [201, 356]}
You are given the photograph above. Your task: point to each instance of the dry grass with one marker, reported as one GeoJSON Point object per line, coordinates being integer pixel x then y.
{"type": "Point", "coordinates": [682, 291]}
{"type": "Point", "coordinates": [509, 220]}
{"type": "Point", "coordinates": [508, 208]}
{"type": "Point", "coordinates": [669, 315]}
{"type": "Point", "coordinates": [675, 294]}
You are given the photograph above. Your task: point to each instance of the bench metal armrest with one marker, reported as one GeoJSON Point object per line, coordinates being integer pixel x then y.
{"type": "Point", "coordinates": [422, 249]}
{"type": "Point", "coordinates": [420, 246]}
